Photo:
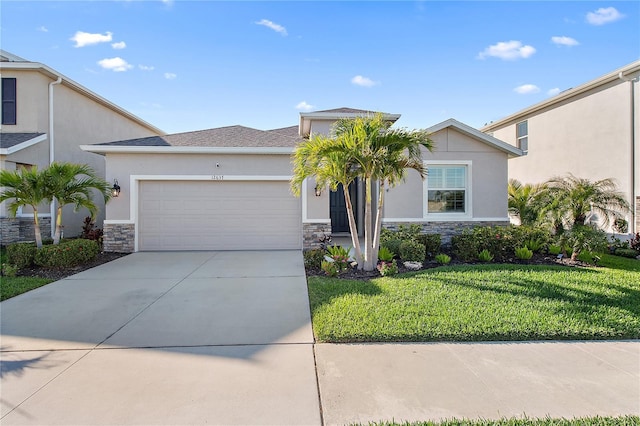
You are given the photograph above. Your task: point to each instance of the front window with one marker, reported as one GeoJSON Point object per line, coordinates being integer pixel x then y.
{"type": "Point", "coordinates": [522, 135]}
{"type": "Point", "coordinates": [447, 189]}
{"type": "Point", "coordinates": [8, 101]}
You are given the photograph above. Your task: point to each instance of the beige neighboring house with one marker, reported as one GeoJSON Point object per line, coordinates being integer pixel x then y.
{"type": "Point", "coordinates": [46, 117]}
{"type": "Point", "coordinates": [228, 188]}
{"type": "Point", "coordinates": [590, 131]}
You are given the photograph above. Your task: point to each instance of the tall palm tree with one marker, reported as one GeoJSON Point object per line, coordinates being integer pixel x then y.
{"type": "Point", "coordinates": [74, 184]}
{"type": "Point", "coordinates": [524, 201]}
{"type": "Point", "coordinates": [25, 187]}
{"type": "Point", "coordinates": [581, 197]}
{"type": "Point", "coordinates": [367, 148]}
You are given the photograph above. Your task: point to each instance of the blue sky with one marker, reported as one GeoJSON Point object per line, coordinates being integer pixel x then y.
{"type": "Point", "coordinates": [190, 65]}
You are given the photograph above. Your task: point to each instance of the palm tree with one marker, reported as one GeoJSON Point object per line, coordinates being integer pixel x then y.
{"type": "Point", "coordinates": [367, 148]}
{"type": "Point", "coordinates": [524, 201]}
{"type": "Point", "coordinates": [579, 197]}
{"type": "Point", "coordinates": [25, 187]}
{"type": "Point", "coordinates": [74, 184]}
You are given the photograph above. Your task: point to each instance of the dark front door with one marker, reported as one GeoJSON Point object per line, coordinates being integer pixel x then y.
{"type": "Point", "coordinates": [338, 208]}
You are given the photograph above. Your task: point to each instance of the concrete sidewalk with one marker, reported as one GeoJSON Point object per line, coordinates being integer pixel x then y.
{"type": "Point", "coordinates": [362, 383]}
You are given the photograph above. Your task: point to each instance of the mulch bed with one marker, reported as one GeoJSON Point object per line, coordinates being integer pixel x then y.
{"type": "Point", "coordinates": [60, 273]}
{"type": "Point", "coordinates": [537, 259]}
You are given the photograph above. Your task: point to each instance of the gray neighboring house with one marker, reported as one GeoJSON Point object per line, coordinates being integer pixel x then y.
{"type": "Point", "coordinates": [46, 116]}
{"type": "Point", "coordinates": [228, 188]}
{"type": "Point", "coordinates": [590, 130]}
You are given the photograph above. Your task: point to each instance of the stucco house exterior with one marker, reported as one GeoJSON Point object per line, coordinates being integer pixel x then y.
{"type": "Point", "coordinates": [46, 116]}
{"type": "Point", "coordinates": [590, 131]}
{"type": "Point", "coordinates": [228, 188]}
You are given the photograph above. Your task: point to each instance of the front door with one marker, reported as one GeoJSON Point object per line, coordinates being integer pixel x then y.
{"type": "Point", "coordinates": [338, 208]}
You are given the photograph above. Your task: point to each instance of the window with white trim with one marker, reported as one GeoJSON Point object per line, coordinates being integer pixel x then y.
{"type": "Point", "coordinates": [522, 135]}
{"type": "Point", "coordinates": [447, 189]}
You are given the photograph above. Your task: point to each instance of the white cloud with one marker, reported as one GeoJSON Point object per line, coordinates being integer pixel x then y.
{"type": "Point", "coordinates": [527, 89]}
{"type": "Point", "coordinates": [115, 64]}
{"type": "Point", "coordinates": [146, 67]}
{"type": "Point", "coordinates": [86, 39]}
{"type": "Point", "coordinates": [564, 41]}
{"type": "Point", "coordinates": [304, 106]}
{"type": "Point", "coordinates": [553, 92]}
{"type": "Point", "coordinates": [42, 29]}
{"type": "Point", "coordinates": [170, 76]}
{"type": "Point", "coordinates": [359, 80]}
{"type": "Point", "coordinates": [275, 27]}
{"type": "Point", "coordinates": [508, 50]}
{"type": "Point", "coordinates": [604, 15]}
{"type": "Point", "coordinates": [119, 45]}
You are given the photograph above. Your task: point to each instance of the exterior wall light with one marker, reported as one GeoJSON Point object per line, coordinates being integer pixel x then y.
{"type": "Point", "coordinates": [115, 191]}
{"type": "Point", "coordinates": [318, 191]}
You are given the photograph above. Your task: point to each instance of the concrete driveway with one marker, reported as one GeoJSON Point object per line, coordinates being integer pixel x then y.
{"type": "Point", "coordinates": [164, 338]}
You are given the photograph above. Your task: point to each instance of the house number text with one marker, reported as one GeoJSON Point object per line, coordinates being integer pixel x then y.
{"type": "Point", "coordinates": [217, 177]}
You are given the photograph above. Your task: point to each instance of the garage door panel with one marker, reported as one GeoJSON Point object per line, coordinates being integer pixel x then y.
{"type": "Point", "coordinates": [199, 215]}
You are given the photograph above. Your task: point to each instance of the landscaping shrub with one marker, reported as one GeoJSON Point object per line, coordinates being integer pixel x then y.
{"type": "Point", "coordinates": [388, 268]}
{"type": "Point", "coordinates": [412, 251]}
{"type": "Point", "coordinates": [21, 255]}
{"type": "Point", "coordinates": [523, 253]}
{"type": "Point", "coordinates": [534, 245]}
{"type": "Point", "coordinates": [485, 256]}
{"type": "Point", "coordinates": [340, 257]}
{"type": "Point", "coordinates": [443, 259]}
{"type": "Point", "coordinates": [313, 258]}
{"type": "Point", "coordinates": [432, 244]}
{"type": "Point", "coordinates": [68, 253]}
{"type": "Point", "coordinates": [464, 246]}
{"type": "Point", "coordinates": [554, 249]}
{"type": "Point", "coordinates": [634, 243]}
{"type": "Point", "coordinates": [616, 244]}
{"type": "Point", "coordinates": [330, 268]}
{"type": "Point", "coordinates": [584, 238]}
{"type": "Point", "coordinates": [385, 254]}
{"type": "Point", "coordinates": [626, 252]}
{"type": "Point", "coordinates": [8, 270]}
{"type": "Point", "coordinates": [392, 245]}
{"type": "Point", "coordinates": [621, 226]}
{"type": "Point", "coordinates": [90, 232]}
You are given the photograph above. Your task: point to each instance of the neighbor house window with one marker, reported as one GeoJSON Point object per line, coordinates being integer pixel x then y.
{"type": "Point", "coordinates": [8, 101]}
{"type": "Point", "coordinates": [447, 189]}
{"type": "Point", "coordinates": [522, 135]}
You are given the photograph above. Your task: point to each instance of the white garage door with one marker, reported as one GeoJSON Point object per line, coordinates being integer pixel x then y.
{"type": "Point", "coordinates": [218, 215]}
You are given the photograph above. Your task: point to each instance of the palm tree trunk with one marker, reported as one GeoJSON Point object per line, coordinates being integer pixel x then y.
{"type": "Point", "coordinates": [378, 228]}
{"type": "Point", "coordinates": [56, 236]}
{"type": "Point", "coordinates": [353, 228]}
{"type": "Point", "coordinates": [368, 261]}
{"type": "Point", "coordinates": [36, 228]}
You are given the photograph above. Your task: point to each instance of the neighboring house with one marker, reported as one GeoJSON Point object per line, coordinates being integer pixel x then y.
{"type": "Point", "coordinates": [45, 117]}
{"type": "Point", "coordinates": [590, 131]}
{"type": "Point", "coordinates": [228, 188]}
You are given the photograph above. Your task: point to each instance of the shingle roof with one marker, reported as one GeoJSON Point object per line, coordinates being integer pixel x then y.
{"type": "Point", "coordinates": [7, 140]}
{"type": "Point", "coordinates": [292, 131]}
{"type": "Point", "coordinates": [345, 110]}
{"type": "Point", "coordinates": [231, 137]}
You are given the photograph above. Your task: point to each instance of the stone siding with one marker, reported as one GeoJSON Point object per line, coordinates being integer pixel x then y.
{"type": "Point", "coordinates": [119, 237]}
{"type": "Point", "coordinates": [312, 233]}
{"type": "Point", "coordinates": [445, 229]}
{"type": "Point", "coordinates": [9, 230]}
{"type": "Point", "coordinates": [27, 232]}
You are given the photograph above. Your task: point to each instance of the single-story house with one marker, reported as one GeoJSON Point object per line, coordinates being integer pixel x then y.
{"type": "Point", "coordinates": [228, 188]}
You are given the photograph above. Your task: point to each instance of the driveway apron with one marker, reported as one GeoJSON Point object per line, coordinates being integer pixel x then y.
{"type": "Point", "coordinates": [164, 338]}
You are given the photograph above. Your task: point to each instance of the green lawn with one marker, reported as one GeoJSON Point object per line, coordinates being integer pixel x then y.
{"type": "Point", "coordinates": [585, 421]}
{"type": "Point", "coordinates": [13, 286]}
{"type": "Point", "coordinates": [482, 303]}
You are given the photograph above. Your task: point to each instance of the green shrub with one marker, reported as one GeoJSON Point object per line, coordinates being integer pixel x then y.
{"type": "Point", "coordinates": [587, 257]}
{"type": "Point", "coordinates": [330, 268]}
{"type": "Point", "coordinates": [523, 253]}
{"type": "Point", "coordinates": [385, 254]}
{"type": "Point", "coordinates": [432, 244]}
{"type": "Point", "coordinates": [630, 253]}
{"type": "Point", "coordinates": [464, 247]}
{"type": "Point", "coordinates": [485, 256]}
{"type": "Point", "coordinates": [22, 255]}
{"type": "Point", "coordinates": [340, 256]}
{"type": "Point", "coordinates": [584, 238]}
{"type": "Point", "coordinates": [554, 249]}
{"type": "Point", "coordinates": [388, 268]}
{"type": "Point", "coordinates": [313, 258]}
{"type": "Point", "coordinates": [8, 270]}
{"type": "Point", "coordinates": [534, 245]}
{"type": "Point", "coordinates": [67, 254]}
{"type": "Point", "coordinates": [412, 251]}
{"type": "Point", "coordinates": [393, 245]}
{"type": "Point", "coordinates": [443, 259]}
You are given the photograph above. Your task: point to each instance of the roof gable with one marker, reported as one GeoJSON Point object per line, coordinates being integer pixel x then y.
{"type": "Point", "coordinates": [477, 135]}
{"type": "Point", "coordinates": [14, 142]}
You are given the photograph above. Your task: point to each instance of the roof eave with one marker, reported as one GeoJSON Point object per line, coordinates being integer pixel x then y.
{"type": "Point", "coordinates": [509, 149]}
{"type": "Point", "coordinates": [119, 149]}
{"type": "Point", "coordinates": [26, 144]}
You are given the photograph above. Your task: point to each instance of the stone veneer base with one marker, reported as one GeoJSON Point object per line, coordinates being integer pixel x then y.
{"type": "Point", "coordinates": [14, 229]}
{"type": "Point", "coordinates": [312, 233]}
{"type": "Point", "coordinates": [445, 229]}
{"type": "Point", "coordinates": [119, 237]}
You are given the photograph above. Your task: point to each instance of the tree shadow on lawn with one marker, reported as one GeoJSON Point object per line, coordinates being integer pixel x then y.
{"type": "Point", "coordinates": [321, 294]}
{"type": "Point", "coordinates": [580, 303]}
